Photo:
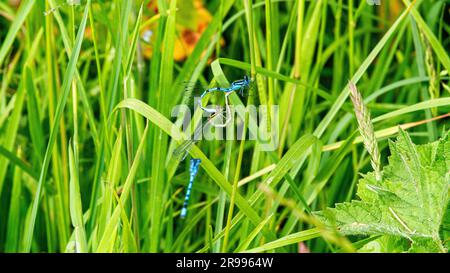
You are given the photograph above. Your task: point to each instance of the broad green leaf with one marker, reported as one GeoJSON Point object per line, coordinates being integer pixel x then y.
{"type": "Point", "coordinates": [410, 200]}
{"type": "Point", "coordinates": [386, 243]}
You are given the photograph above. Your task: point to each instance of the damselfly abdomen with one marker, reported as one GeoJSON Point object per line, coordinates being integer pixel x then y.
{"type": "Point", "coordinates": [195, 164]}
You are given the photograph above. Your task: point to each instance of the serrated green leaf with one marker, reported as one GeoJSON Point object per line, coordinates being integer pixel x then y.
{"type": "Point", "coordinates": [409, 202]}
{"type": "Point", "coordinates": [385, 244]}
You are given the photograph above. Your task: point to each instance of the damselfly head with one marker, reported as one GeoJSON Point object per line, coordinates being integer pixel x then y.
{"type": "Point", "coordinates": [247, 80]}
{"type": "Point", "coordinates": [249, 87]}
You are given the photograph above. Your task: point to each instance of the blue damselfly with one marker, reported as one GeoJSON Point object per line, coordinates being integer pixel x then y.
{"type": "Point", "coordinates": [193, 170]}
{"type": "Point", "coordinates": [235, 86]}
{"type": "Point", "coordinates": [183, 149]}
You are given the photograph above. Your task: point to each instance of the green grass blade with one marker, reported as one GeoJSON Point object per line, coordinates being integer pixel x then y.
{"type": "Point", "coordinates": [112, 179]}
{"type": "Point", "coordinates": [416, 107]}
{"type": "Point", "coordinates": [9, 138]}
{"type": "Point", "coordinates": [320, 129]}
{"type": "Point", "coordinates": [14, 215]}
{"type": "Point", "coordinates": [76, 210]}
{"type": "Point", "coordinates": [253, 234]}
{"type": "Point", "coordinates": [59, 110]}
{"type": "Point", "coordinates": [21, 16]}
{"type": "Point", "coordinates": [169, 128]}
{"type": "Point", "coordinates": [441, 53]}
{"type": "Point", "coordinates": [287, 240]}
{"type": "Point", "coordinates": [107, 238]}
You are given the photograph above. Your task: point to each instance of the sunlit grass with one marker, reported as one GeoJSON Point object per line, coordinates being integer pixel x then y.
{"type": "Point", "coordinates": [86, 133]}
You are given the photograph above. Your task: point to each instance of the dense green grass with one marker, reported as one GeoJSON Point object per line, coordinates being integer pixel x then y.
{"type": "Point", "coordinates": [86, 135]}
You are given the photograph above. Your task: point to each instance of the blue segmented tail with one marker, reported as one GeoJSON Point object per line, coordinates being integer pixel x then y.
{"type": "Point", "coordinates": [195, 164]}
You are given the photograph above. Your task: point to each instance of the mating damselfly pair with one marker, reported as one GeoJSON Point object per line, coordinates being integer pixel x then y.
{"type": "Point", "coordinates": [183, 148]}
{"type": "Point", "coordinates": [235, 86]}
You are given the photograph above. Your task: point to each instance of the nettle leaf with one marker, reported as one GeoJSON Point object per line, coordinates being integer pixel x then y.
{"type": "Point", "coordinates": [407, 204]}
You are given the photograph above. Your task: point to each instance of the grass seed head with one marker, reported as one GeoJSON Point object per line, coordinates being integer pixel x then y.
{"type": "Point", "coordinates": [366, 130]}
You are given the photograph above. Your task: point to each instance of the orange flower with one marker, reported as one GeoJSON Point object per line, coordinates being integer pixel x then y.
{"type": "Point", "coordinates": [192, 19]}
{"type": "Point", "coordinates": [395, 7]}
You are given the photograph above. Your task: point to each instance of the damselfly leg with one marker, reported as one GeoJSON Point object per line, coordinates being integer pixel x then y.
{"type": "Point", "coordinates": [238, 85]}
{"type": "Point", "coordinates": [221, 115]}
